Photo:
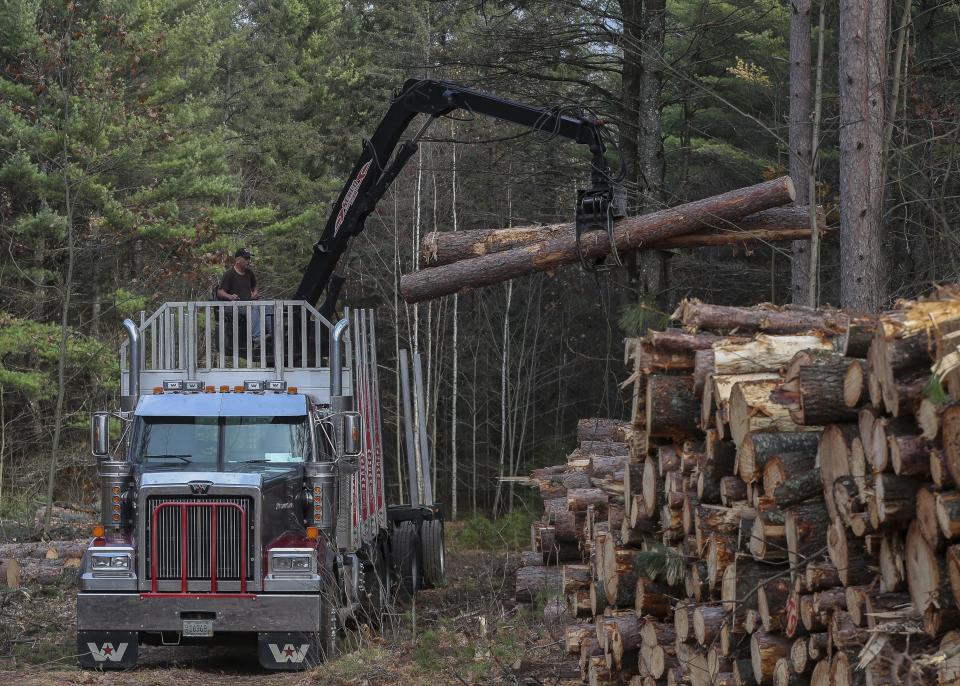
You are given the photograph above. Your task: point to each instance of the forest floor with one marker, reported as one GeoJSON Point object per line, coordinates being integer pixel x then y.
{"type": "Point", "coordinates": [468, 632]}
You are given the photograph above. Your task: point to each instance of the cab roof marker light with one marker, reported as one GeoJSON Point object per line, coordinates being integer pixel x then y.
{"type": "Point", "coordinates": [224, 389]}
{"type": "Point", "coordinates": [158, 390]}
{"type": "Point", "coordinates": [292, 390]}
{"type": "Point", "coordinates": [238, 389]}
{"type": "Point", "coordinates": [210, 389]}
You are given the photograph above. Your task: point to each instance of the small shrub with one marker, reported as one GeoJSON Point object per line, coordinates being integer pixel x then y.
{"type": "Point", "coordinates": [483, 533]}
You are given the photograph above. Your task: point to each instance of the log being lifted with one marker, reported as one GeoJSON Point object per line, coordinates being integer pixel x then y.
{"type": "Point", "coordinates": [777, 224]}
{"type": "Point", "coordinates": [629, 234]}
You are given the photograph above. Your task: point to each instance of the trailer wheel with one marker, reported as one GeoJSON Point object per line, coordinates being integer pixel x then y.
{"type": "Point", "coordinates": [431, 542]}
{"type": "Point", "coordinates": [405, 546]}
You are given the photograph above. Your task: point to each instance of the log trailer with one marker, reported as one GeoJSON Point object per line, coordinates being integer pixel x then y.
{"type": "Point", "coordinates": [245, 495]}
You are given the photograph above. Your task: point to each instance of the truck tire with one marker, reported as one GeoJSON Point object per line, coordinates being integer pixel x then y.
{"type": "Point", "coordinates": [405, 546]}
{"type": "Point", "coordinates": [431, 545]}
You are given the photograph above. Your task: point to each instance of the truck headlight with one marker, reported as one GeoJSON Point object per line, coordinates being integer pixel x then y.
{"type": "Point", "coordinates": [113, 562]}
{"type": "Point", "coordinates": [288, 562]}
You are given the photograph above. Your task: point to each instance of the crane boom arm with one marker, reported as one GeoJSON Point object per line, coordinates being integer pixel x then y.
{"type": "Point", "coordinates": [378, 166]}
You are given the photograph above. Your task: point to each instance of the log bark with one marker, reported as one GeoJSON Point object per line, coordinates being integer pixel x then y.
{"type": "Point", "coordinates": [777, 224]}
{"type": "Point", "coordinates": [821, 385]}
{"type": "Point", "coordinates": [534, 581]}
{"type": "Point", "coordinates": [671, 406]}
{"type": "Point", "coordinates": [806, 527]}
{"type": "Point", "coordinates": [848, 555]}
{"type": "Point", "coordinates": [766, 318]}
{"type": "Point", "coordinates": [789, 469]}
{"type": "Point", "coordinates": [754, 450]}
{"type": "Point", "coordinates": [772, 603]}
{"type": "Point", "coordinates": [629, 234]}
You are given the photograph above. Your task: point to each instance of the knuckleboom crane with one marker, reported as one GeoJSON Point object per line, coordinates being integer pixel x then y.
{"type": "Point", "coordinates": [378, 166]}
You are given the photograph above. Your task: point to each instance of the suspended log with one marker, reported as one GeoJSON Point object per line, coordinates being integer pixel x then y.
{"type": "Point", "coordinates": [630, 233]}
{"type": "Point", "coordinates": [777, 224]}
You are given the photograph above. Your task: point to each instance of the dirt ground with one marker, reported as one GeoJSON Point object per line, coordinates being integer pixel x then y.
{"type": "Point", "coordinates": [468, 632]}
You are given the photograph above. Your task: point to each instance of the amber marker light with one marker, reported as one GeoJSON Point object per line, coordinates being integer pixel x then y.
{"type": "Point", "coordinates": [238, 389]}
{"type": "Point", "coordinates": [313, 533]}
{"type": "Point", "coordinates": [224, 389]}
{"type": "Point", "coordinates": [292, 390]}
{"type": "Point", "coordinates": [158, 390]}
{"type": "Point", "coordinates": [209, 389]}
{"type": "Point", "coordinates": [97, 531]}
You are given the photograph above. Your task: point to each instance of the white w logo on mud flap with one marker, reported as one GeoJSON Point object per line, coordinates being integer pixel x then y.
{"type": "Point", "coordinates": [108, 652]}
{"type": "Point", "coordinates": [289, 653]}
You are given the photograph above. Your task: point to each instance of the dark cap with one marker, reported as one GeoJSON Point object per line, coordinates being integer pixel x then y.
{"type": "Point", "coordinates": [243, 252]}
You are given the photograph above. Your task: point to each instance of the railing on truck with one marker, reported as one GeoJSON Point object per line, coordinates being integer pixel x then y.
{"type": "Point", "coordinates": [227, 343]}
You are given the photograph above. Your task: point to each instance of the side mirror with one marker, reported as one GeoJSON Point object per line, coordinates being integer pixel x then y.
{"type": "Point", "coordinates": [352, 434]}
{"type": "Point", "coordinates": [100, 434]}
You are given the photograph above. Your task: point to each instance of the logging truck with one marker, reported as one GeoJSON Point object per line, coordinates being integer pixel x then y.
{"type": "Point", "coordinates": [245, 495]}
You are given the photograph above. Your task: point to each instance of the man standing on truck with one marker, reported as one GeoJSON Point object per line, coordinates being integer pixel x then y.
{"type": "Point", "coordinates": [239, 283]}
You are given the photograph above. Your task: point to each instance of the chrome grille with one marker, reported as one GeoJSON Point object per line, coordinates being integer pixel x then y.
{"type": "Point", "coordinates": [198, 538]}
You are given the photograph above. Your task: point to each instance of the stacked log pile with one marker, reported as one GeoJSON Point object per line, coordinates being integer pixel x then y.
{"type": "Point", "coordinates": [784, 509]}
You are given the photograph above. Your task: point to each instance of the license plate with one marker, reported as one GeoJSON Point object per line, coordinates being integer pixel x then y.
{"type": "Point", "coordinates": [198, 627]}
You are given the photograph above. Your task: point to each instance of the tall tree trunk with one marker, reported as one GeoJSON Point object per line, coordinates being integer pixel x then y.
{"type": "Point", "coordinates": [813, 283]}
{"type": "Point", "coordinates": [456, 354]}
{"type": "Point", "coordinates": [67, 293]}
{"type": "Point", "coordinates": [800, 138]}
{"type": "Point", "coordinates": [650, 147]}
{"type": "Point", "coordinates": [862, 66]}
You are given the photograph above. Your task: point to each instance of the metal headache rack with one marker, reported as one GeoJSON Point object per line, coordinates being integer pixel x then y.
{"type": "Point", "coordinates": [227, 343]}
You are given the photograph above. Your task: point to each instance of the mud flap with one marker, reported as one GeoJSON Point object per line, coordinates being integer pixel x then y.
{"type": "Point", "coordinates": [107, 649]}
{"type": "Point", "coordinates": [288, 650]}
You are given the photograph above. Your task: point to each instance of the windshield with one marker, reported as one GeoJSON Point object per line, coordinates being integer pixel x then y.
{"type": "Point", "coordinates": [213, 443]}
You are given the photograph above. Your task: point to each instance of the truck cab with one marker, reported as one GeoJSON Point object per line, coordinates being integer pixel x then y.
{"type": "Point", "coordinates": [245, 496]}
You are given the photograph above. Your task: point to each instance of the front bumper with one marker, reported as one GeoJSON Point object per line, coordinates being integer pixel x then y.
{"type": "Point", "coordinates": [260, 612]}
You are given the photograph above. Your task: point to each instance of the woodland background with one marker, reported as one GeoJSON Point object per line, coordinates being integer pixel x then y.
{"type": "Point", "coordinates": [141, 141]}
